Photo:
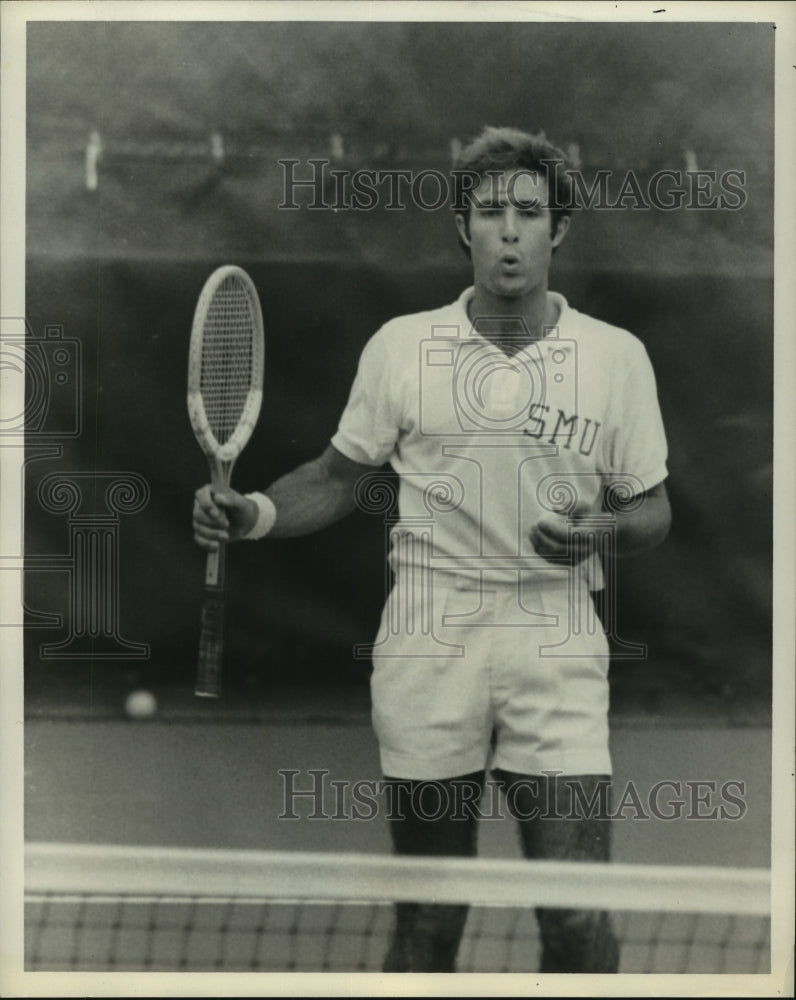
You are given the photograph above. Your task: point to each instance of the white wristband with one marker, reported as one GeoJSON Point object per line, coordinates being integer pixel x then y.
{"type": "Point", "coordinates": [266, 516]}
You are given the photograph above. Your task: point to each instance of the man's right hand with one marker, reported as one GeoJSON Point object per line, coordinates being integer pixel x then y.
{"type": "Point", "coordinates": [221, 515]}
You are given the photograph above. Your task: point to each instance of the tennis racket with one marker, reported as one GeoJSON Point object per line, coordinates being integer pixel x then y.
{"type": "Point", "coordinates": [225, 390]}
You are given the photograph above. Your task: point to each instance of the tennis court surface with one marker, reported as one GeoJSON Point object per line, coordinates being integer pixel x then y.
{"type": "Point", "coordinates": [166, 845]}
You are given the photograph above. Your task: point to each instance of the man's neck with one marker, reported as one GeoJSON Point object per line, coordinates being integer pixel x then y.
{"type": "Point", "coordinates": [512, 323]}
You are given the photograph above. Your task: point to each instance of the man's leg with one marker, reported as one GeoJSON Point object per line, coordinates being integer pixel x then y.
{"type": "Point", "coordinates": [566, 818]}
{"type": "Point", "coordinates": [435, 818]}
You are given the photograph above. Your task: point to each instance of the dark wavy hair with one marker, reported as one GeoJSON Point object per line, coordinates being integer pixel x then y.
{"type": "Point", "coordinates": [497, 150]}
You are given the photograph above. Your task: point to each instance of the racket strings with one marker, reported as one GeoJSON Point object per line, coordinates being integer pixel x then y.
{"type": "Point", "coordinates": [228, 358]}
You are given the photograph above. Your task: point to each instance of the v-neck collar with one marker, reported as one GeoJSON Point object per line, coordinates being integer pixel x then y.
{"type": "Point", "coordinates": [551, 341]}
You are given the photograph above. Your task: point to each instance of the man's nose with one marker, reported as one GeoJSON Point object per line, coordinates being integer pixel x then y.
{"type": "Point", "coordinates": [509, 231]}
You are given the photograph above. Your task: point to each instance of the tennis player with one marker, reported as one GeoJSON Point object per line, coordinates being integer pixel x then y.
{"type": "Point", "coordinates": [513, 421]}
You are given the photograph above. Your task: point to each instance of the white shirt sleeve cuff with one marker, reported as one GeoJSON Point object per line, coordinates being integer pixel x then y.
{"type": "Point", "coordinates": [266, 516]}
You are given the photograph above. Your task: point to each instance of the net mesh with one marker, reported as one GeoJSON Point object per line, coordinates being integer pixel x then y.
{"type": "Point", "coordinates": [127, 909]}
{"type": "Point", "coordinates": [228, 357]}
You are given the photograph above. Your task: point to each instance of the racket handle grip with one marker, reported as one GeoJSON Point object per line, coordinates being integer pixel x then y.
{"type": "Point", "coordinates": [211, 645]}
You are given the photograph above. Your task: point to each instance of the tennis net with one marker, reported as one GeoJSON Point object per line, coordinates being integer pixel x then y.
{"type": "Point", "coordinates": [105, 908]}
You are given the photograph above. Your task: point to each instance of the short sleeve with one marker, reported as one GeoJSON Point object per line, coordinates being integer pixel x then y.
{"type": "Point", "coordinates": [638, 442]}
{"type": "Point", "coordinates": [370, 424]}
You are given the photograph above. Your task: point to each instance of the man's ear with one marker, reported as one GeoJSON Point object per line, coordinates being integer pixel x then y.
{"type": "Point", "coordinates": [463, 228]}
{"type": "Point", "coordinates": [561, 230]}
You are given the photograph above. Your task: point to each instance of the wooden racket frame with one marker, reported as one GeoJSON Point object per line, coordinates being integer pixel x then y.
{"type": "Point", "coordinates": [221, 459]}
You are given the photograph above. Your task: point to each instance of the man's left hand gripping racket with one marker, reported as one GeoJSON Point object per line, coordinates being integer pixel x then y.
{"type": "Point", "coordinates": [225, 390]}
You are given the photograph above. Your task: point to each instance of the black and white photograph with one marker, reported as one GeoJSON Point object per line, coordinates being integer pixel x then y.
{"type": "Point", "coordinates": [397, 483]}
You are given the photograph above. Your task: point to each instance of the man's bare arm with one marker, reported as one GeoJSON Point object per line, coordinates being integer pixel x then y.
{"type": "Point", "coordinates": [307, 499]}
{"type": "Point", "coordinates": [645, 527]}
{"type": "Point", "coordinates": [636, 530]}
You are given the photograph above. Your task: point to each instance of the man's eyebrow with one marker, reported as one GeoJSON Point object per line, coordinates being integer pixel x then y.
{"type": "Point", "coordinates": [502, 198]}
{"type": "Point", "coordinates": [493, 199]}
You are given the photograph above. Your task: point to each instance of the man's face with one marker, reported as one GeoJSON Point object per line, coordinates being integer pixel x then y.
{"type": "Point", "coordinates": [509, 233]}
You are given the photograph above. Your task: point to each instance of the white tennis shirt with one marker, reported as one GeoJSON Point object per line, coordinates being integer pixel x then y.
{"type": "Point", "coordinates": [486, 444]}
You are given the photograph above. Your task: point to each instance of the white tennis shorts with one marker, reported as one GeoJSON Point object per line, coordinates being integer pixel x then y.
{"type": "Point", "coordinates": [455, 662]}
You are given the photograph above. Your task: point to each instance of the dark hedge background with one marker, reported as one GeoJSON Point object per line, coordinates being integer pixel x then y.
{"type": "Point", "coordinates": [120, 269]}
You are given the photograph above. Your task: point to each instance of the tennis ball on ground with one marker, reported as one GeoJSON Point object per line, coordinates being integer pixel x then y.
{"type": "Point", "coordinates": [140, 705]}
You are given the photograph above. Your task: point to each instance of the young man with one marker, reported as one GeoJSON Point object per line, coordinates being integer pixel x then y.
{"type": "Point", "coordinates": [514, 422]}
